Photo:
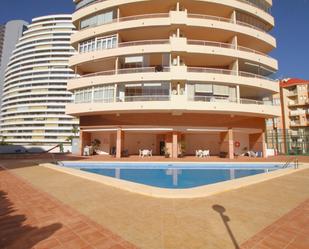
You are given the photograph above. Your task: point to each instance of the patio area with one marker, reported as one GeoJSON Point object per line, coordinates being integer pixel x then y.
{"type": "Point", "coordinates": [251, 217]}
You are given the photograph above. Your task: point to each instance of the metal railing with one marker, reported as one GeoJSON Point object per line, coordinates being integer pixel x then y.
{"type": "Point", "coordinates": [245, 49]}
{"type": "Point", "coordinates": [128, 71]}
{"type": "Point", "coordinates": [167, 41]}
{"type": "Point", "coordinates": [211, 44]}
{"type": "Point", "coordinates": [294, 161]}
{"type": "Point", "coordinates": [189, 15]}
{"type": "Point", "coordinates": [243, 1]}
{"type": "Point", "coordinates": [226, 72]}
{"type": "Point", "coordinates": [144, 98]}
{"type": "Point", "coordinates": [250, 26]}
{"type": "Point", "coordinates": [211, 70]}
{"type": "Point", "coordinates": [229, 100]}
{"type": "Point", "coordinates": [209, 17]}
{"type": "Point", "coordinates": [167, 69]}
{"type": "Point", "coordinates": [144, 42]}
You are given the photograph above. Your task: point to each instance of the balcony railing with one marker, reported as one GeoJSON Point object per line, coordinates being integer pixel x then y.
{"type": "Point", "coordinates": [91, 2]}
{"type": "Point", "coordinates": [167, 41]}
{"type": "Point", "coordinates": [211, 44]}
{"type": "Point", "coordinates": [144, 98]}
{"type": "Point", "coordinates": [211, 70]}
{"type": "Point", "coordinates": [297, 113]}
{"type": "Point", "coordinates": [144, 42]}
{"type": "Point", "coordinates": [128, 71]}
{"type": "Point", "coordinates": [229, 100]}
{"type": "Point", "coordinates": [160, 69]}
{"type": "Point", "coordinates": [226, 72]}
{"type": "Point", "coordinates": [297, 103]}
{"type": "Point", "coordinates": [209, 17]}
{"type": "Point", "coordinates": [166, 15]}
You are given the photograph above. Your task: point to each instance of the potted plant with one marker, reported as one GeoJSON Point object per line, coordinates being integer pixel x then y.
{"type": "Point", "coordinates": [182, 148]}
{"type": "Point", "coordinates": [95, 144]}
{"type": "Point", "coordinates": [166, 152]}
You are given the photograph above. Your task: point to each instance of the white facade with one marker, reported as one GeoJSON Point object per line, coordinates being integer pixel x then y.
{"type": "Point", "coordinates": [34, 93]}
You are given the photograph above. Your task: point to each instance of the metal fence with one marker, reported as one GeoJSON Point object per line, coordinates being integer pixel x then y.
{"type": "Point", "coordinates": [288, 143]}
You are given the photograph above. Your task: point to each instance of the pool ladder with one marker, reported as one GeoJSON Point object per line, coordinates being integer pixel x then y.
{"type": "Point", "coordinates": [290, 162]}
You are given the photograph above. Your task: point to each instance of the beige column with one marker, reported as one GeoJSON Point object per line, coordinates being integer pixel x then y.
{"type": "Point", "coordinates": [227, 143]}
{"type": "Point", "coordinates": [85, 139]}
{"type": "Point", "coordinates": [257, 143]}
{"type": "Point", "coordinates": [119, 142]}
{"type": "Point", "coordinates": [175, 145]}
{"type": "Point", "coordinates": [231, 143]}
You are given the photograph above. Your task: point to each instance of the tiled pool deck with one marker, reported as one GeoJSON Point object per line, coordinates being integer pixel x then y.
{"type": "Point", "coordinates": [30, 218]}
{"type": "Point", "coordinates": [44, 208]}
{"type": "Point", "coordinates": [291, 231]}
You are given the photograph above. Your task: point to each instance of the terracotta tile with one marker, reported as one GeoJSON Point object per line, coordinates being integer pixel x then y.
{"type": "Point", "coordinates": [42, 222]}
{"type": "Point", "coordinates": [117, 246]}
{"type": "Point", "coordinates": [76, 243]}
{"type": "Point", "coordinates": [48, 244]}
{"type": "Point", "coordinates": [105, 243]}
{"type": "Point", "coordinates": [91, 236]}
{"type": "Point", "coordinates": [290, 231]}
{"type": "Point", "coordinates": [67, 236]}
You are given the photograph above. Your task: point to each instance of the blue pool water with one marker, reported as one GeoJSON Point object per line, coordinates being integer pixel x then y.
{"type": "Point", "coordinates": [173, 176]}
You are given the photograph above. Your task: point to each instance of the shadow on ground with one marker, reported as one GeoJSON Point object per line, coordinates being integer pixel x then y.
{"type": "Point", "coordinates": [225, 219]}
{"type": "Point", "coordinates": [14, 234]}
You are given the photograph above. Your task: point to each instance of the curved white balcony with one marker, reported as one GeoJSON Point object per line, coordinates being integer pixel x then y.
{"type": "Point", "coordinates": [35, 40]}
{"type": "Point", "coordinates": [42, 72]}
{"type": "Point", "coordinates": [245, 5]}
{"type": "Point", "coordinates": [32, 62]}
{"type": "Point", "coordinates": [175, 44]}
{"type": "Point", "coordinates": [177, 103]}
{"type": "Point", "coordinates": [174, 73]}
{"type": "Point", "coordinates": [176, 18]}
{"type": "Point", "coordinates": [9, 118]}
{"type": "Point", "coordinates": [47, 55]}
{"type": "Point", "coordinates": [33, 51]}
{"type": "Point", "coordinates": [38, 77]}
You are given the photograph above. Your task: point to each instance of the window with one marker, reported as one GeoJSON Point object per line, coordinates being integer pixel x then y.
{"type": "Point", "coordinates": [104, 93]}
{"type": "Point", "coordinates": [107, 42]}
{"type": "Point", "coordinates": [83, 95]}
{"type": "Point", "coordinates": [97, 20]}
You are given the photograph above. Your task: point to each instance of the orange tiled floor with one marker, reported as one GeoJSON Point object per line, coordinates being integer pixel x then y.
{"type": "Point", "coordinates": [30, 218]}
{"type": "Point", "coordinates": [289, 232]}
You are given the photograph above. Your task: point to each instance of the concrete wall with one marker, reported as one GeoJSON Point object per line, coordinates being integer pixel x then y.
{"type": "Point", "coordinates": [136, 141]}
{"type": "Point", "coordinates": [202, 142]}
{"type": "Point", "coordinates": [12, 149]}
{"type": "Point", "coordinates": [243, 139]}
{"type": "Point", "coordinates": [105, 139]}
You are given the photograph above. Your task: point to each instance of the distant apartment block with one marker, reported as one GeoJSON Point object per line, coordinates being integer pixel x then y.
{"type": "Point", "coordinates": [34, 94]}
{"type": "Point", "coordinates": [295, 104]}
{"type": "Point", "coordinates": [9, 35]}
{"type": "Point", "coordinates": [290, 133]}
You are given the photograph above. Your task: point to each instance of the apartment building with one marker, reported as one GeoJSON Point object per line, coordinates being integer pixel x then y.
{"type": "Point", "coordinates": [295, 114]}
{"type": "Point", "coordinates": [9, 35]}
{"type": "Point", "coordinates": [173, 76]}
{"type": "Point", "coordinates": [35, 94]}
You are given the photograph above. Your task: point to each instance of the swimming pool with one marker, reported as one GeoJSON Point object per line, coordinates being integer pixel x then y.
{"type": "Point", "coordinates": [174, 175]}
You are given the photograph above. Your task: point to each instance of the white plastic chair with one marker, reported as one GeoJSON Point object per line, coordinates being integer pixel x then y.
{"type": "Point", "coordinates": [206, 153]}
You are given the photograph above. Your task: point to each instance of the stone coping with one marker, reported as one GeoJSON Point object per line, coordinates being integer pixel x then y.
{"type": "Point", "coordinates": [197, 192]}
{"type": "Point", "coordinates": [168, 162]}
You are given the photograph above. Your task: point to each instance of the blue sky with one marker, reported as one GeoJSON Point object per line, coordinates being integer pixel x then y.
{"type": "Point", "coordinates": [292, 28]}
